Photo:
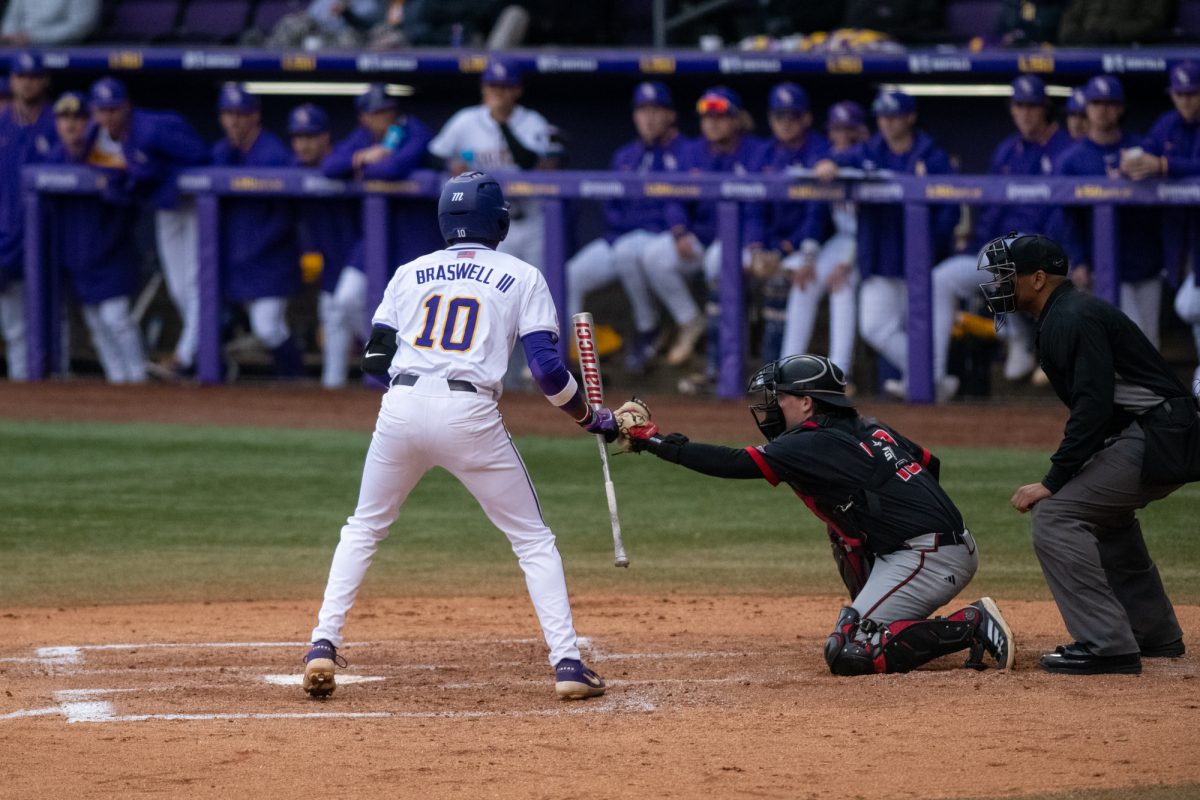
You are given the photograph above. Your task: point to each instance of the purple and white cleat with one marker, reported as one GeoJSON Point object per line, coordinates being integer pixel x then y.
{"type": "Point", "coordinates": [574, 681]}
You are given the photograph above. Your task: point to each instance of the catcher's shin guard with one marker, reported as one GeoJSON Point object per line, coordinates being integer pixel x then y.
{"type": "Point", "coordinates": [845, 652]}
{"type": "Point", "coordinates": [863, 647]}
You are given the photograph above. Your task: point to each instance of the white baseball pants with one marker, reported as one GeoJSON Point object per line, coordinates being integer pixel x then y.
{"type": "Point", "coordinates": [12, 325]}
{"type": "Point", "coordinates": [117, 340]}
{"type": "Point", "coordinates": [178, 236]}
{"type": "Point", "coordinates": [1142, 302]}
{"type": "Point", "coordinates": [342, 319]}
{"type": "Point", "coordinates": [801, 314]}
{"type": "Point", "coordinates": [429, 425]}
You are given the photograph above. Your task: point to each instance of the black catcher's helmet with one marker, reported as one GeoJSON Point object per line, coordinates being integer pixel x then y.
{"type": "Point", "coordinates": [472, 208]}
{"type": "Point", "coordinates": [1006, 256]}
{"type": "Point", "coordinates": [805, 376]}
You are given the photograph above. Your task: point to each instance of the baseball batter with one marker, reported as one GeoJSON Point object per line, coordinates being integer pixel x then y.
{"type": "Point", "coordinates": [898, 539]}
{"type": "Point", "coordinates": [442, 337]}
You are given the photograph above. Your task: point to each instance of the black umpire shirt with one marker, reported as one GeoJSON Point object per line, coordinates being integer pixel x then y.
{"type": "Point", "coordinates": [859, 476]}
{"type": "Point", "coordinates": [1103, 368]}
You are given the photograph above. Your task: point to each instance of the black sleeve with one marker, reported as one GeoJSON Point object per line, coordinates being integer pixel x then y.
{"type": "Point", "coordinates": [708, 459]}
{"type": "Point", "coordinates": [525, 158]}
{"type": "Point", "coordinates": [1081, 349]}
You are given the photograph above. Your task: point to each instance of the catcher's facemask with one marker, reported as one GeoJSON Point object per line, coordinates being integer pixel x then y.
{"type": "Point", "coordinates": [764, 403]}
{"type": "Point", "coordinates": [802, 375]}
{"type": "Point", "coordinates": [1000, 293]}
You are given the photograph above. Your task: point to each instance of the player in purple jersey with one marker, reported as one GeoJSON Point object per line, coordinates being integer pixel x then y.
{"type": "Point", "coordinates": [26, 136]}
{"type": "Point", "coordinates": [95, 245]}
{"type": "Point", "coordinates": [260, 263]}
{"type": "Point", "coordinates": [1172, 149]}
{"type": "Point", "coordinates": [899, 147]}
{"type": "Point", "coordinates": [1139, 254]}
{"type": "Point", "coordinates": [143, 151]}
{"type": "Point", "coordinates": [630, 225]}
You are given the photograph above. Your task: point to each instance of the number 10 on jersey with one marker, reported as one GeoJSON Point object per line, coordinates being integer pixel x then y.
{"type": "Point", "coordinates": [456, 326]}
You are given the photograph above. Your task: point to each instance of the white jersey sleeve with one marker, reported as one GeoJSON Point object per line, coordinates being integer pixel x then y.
{"type": "Point", "coordinates": [531, 129]}
{"type": "Point", "coordinates": [449, 141]}
{"type": "Point", "coordinates": [537, 307]}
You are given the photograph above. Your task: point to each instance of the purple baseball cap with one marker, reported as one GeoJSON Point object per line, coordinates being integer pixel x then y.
{"type": "Point", "coordinates": [1029, 89]}
{"type": "Point", "coordinates": [846, 114]}
{"type": "Point", "coordinates": [501, 72]}
{"type": "Point", "coordinates": [1185, 78]}
{"type": "Point", "coordinates": [109, 93]}
{"type": "Point", "coordinates": [71, 104]}
{"type": "Point", "coordinates": [27, 63]}
{"type": "Point", "coordinates": [893, 104]}
{"type": "Point", "coordinates": [307, 120]}
{"type": "Point", "coordinates": [788, 96]}
{"type": "Point", "coordinates": [375, 98]}
{"type": "Point", "coordinates": [719, 100]}
{"type": "Point", "coordinates": [1104, 89]}
{"type": "Point", "coordinates": [235, 98]}
{"type": "Point", "coordinates": [652, 93]}
{"type": "Point", "coordinates": [1077, 103]}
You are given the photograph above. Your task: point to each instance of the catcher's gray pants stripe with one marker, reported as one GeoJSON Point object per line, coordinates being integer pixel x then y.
{"type": "Point", "coordinates": [1090, 546]}
{"type": "Point", "coordinates": [913, 583]}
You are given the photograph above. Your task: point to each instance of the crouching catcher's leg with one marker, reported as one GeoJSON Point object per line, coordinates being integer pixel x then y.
{"type": "Point", "coordinates": [864, 647]}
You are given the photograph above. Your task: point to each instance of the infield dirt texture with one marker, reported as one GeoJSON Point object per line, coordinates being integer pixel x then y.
{"type": "Point", "coordinates": [717, 690]}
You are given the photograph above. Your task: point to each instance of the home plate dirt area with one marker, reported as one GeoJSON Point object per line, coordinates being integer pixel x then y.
{"type": "Point", "coordinates": [709, 696]}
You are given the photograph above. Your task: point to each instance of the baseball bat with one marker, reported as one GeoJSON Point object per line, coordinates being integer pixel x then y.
{"type": "Point", "coordinates": [589, 369]}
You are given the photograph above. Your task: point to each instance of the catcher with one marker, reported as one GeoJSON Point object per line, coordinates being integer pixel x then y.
{"type": "Point", "coordinates": [898, 540]}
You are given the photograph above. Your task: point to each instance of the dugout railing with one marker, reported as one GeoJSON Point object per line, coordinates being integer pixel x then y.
{"type": "Point", "coordinates": [390, 209]}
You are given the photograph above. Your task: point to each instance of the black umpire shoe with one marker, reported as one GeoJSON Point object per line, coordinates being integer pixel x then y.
{"type": "Point", "coordinates": [1173, 649]}
{"type": "Point", "coordinates": [1077, 659]}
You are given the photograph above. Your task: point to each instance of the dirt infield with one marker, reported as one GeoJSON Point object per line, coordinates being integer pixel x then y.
{"type": "Point", "coordinates": [710, 696]}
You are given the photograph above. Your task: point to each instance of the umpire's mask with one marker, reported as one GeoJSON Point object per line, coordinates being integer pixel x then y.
{"type": "Point", "coordinates": [803, 375]}
{"type": "Point", "coordinates": [1016, 253]}
{"type": "Point", "coordinates": [1000, 293]}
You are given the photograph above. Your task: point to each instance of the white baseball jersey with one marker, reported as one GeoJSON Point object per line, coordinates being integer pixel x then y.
{"type": "Point", "coordinates": [472, 135]}
{"type": "Point", "coordinates": [458, 313]}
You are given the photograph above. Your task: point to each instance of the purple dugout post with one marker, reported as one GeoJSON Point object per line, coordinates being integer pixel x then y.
{"type": "Point", "coordinates": [917, 254]}
{"type": "Point", "coordinates": [555, 255]}
{"type": "Point", "coordinates": [1104, 253]}
{"type": "Point", "coordinates": [35, 288]}
{"type": "Point", "coordinates": [731, 383]}
{"type": "Point", "coordinates": [208, 352]}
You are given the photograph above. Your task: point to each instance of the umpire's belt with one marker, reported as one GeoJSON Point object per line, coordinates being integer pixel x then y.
{"type": "Point", "coordinates": [408, 379]}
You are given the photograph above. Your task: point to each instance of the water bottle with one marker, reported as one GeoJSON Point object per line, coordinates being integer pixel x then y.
{"type": "Point", "coordinates": [393, 137]}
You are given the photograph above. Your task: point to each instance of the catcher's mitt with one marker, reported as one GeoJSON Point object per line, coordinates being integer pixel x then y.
{"type": "Point", "coordinates": [633, 418]}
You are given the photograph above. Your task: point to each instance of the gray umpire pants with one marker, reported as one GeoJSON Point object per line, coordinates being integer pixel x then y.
{"type": "Point", "coordinates": [1089, 542]}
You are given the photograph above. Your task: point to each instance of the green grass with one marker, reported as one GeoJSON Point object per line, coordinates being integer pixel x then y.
{"type": "Point", "coordinates": [104, 514]}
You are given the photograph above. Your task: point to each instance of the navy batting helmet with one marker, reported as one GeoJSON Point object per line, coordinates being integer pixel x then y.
{"type": "Point", "coordinates": [472, 208]}
{"type": "Point", "coordinates": [803, 375]}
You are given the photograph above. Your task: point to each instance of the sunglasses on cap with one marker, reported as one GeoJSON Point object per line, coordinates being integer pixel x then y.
{"type": "Point", "coordinates": [714, 104]}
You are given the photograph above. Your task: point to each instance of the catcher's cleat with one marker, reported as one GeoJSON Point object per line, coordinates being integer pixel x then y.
{"type": "Point", "coordinates": [574, 681]}
{"type": "Point", "coordinates": [994, 634]}
{"type": "Point", "coordinates": [320, 664]}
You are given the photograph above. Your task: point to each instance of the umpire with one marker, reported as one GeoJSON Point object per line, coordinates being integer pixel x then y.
{"type": "Point", "coordinates": [1133, 437]}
